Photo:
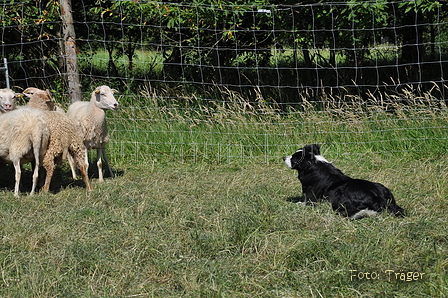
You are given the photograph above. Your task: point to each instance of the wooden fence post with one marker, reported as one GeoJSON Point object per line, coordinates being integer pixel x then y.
{"type": "Point", "coordinates": [70, 55]}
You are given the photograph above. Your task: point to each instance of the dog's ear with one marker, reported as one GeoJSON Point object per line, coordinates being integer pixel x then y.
{"type": "Point", "coordinates": [315, 149]}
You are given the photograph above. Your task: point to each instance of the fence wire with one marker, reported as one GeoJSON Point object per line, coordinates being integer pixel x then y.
{"type": "Point", "coordinates": [246, 82]}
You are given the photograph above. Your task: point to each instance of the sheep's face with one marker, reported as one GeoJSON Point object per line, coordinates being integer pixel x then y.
{"type": "Point", "coordinates": [104, 98]}
{"type": "Point", "coordinates": [46, 97]}
{"type": "Point", "coordinates": [40, 98]}
{"type": "Point", "coordinates": [7, 100]}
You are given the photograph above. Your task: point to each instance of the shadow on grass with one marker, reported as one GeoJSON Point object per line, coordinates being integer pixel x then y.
{"type": "Point", "coordinates": [62, 178]}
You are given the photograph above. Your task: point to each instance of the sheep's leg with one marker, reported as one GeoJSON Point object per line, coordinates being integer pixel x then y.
{"type": "Point", "coordinates": [107, 162]}
{"type": "Point", "coordinates": [99, 164]}
{"type": "Point", "coordinates": [72, 166]}
{"type": "Point", "coordinates": [37, 160]}
{"type": "Point", "coordinates": [49, 168]}
{"type": "Point", "coordinates": [86, 159]}
{"type": "Point", "coordinates": [18, 171]}
{"type": "Point", "coordinates": [82, 168]}
{"type": "Point", "coordinates": [35, 176]}
{"type": "Point", "coordinates": [85, 177]}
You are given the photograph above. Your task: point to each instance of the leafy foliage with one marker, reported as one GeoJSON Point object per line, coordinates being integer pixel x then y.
{"type": "Point", "coordinates": [34, 25]}
{"type": "Point", "coordinates": [228, 42]}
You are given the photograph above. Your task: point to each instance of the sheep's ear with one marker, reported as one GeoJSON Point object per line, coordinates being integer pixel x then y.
{"type": "Point", "coordinates": [97, 90]}
{"type": "Point", "coordinates": [19, 95]}
{"type": "Point", "coordinates": [114, 91]}
{"type": "Point", "coordinates": [30, 90]}
{"type": "Point", "coordinates": [24, 94]}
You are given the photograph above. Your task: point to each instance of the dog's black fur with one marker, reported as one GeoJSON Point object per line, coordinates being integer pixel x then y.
{"type": "Point", "coordinates": [355, 198]}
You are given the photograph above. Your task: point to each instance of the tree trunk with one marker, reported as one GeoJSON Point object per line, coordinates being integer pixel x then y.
{"type": "Point", "coordinates": [71, 59]}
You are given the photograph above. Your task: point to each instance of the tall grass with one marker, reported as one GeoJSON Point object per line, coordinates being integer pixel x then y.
{"type": "Point", "coordinates": [168, 125]}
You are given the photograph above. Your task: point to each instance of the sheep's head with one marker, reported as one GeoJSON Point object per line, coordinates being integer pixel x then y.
{"type": "Point", "coordinates": [103, 97]}
{"type": "Point", "coordinates": [40, 99]}
{"type": "Point", "coordinates": [7, 100]}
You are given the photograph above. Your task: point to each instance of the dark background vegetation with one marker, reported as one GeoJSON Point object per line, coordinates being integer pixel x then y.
{"type": "Point", "coordinates": [331, 46]}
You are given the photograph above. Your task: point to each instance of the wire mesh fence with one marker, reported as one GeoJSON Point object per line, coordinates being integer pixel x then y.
{"type": "Point", "coordinates": [253, 81]}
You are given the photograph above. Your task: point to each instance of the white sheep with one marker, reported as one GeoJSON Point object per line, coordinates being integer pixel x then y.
{"type": "Point", "coordinates": [24, 138]}
{"type": "Point", "coordinates": [90, 118]}
{"type": "Point", "coordinates": [44, 102]}
{"type": "Point", "coordinates": [64, 140]}
{"type": "Point", "coordinates": [7, 100]}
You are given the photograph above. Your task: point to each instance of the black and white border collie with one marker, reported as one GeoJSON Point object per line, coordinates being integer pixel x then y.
{"type": "Point", "coordinates": [354, 198]}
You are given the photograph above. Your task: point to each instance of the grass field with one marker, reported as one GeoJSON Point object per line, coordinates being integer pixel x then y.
{"type": "Point", "coordinates": [172, 230]}
{"type": "Point", "coordinates": [199, 208]}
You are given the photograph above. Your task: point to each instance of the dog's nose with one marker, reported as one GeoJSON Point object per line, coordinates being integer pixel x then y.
{"type": "Point", "coordinates": [284, 157]}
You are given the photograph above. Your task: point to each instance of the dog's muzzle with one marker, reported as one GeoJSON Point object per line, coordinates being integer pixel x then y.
{"type": "Point", "coordinates": [287, 160]}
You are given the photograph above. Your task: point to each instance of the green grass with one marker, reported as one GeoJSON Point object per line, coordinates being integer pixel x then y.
{"type": "Point", "coordinates": [202, 205]}
{"type": "Point", "coordinates": [165, 126]}
{"type": "Point", "coordinates": [173, 230]}
{"type": "Point", "coordinates": [143, 61]}
{"type": "Point", "coordinates": [147, 61]}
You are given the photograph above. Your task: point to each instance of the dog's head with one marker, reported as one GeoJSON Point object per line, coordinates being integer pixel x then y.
{"type": "Point", "coordinates": [304, 157]}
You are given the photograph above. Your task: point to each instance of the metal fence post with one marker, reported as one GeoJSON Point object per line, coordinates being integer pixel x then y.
{"type": "Point", "coordinates": [5, 68]}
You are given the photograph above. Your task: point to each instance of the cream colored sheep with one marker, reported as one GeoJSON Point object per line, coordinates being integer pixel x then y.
{"type": "Point", "coordinates": [64, 140]}
{"type": "Point", "coordinates": [7, 100]}
{"type": "Point", "coordinates": [42, 101]}
{"type": "Point", "coordinates": [90, 118]}
{"type": "Point", "coordinates": [24, 138]}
